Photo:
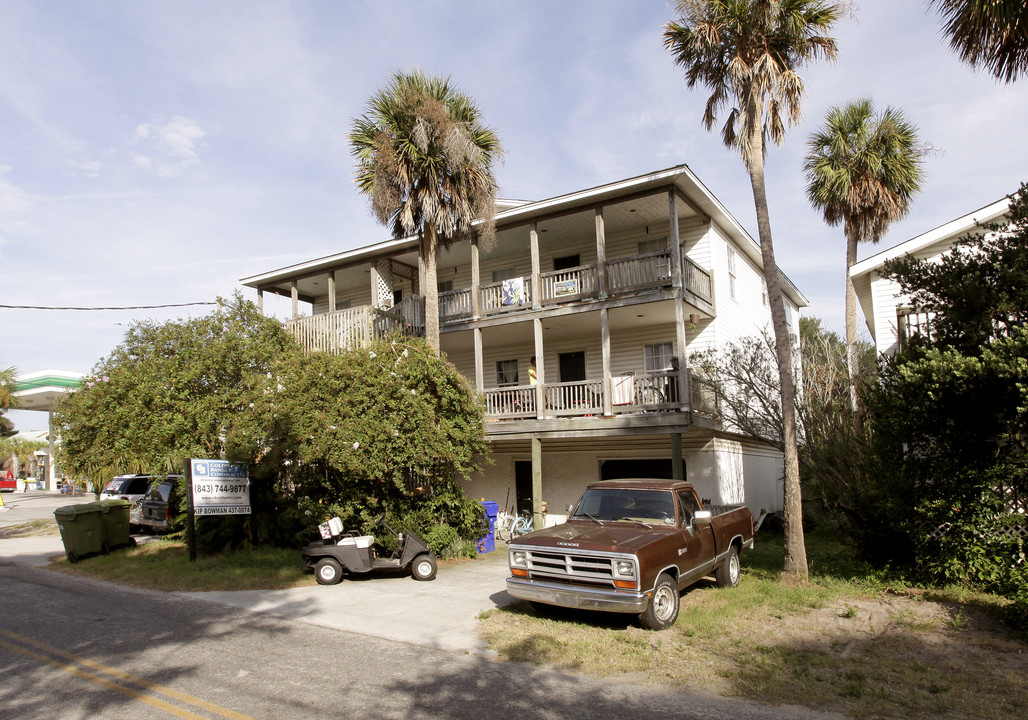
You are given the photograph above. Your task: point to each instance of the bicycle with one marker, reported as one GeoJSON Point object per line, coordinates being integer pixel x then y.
{"type": "Point", "coordinates": [504, 520]}
{"type": "Point", "coordinates": [522, 525]}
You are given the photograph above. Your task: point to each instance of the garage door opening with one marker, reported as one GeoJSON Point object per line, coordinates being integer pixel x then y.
{"type": "Point", "coordinates": [659, 468]}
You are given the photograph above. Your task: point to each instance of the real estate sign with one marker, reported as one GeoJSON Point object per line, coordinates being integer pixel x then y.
{"type": "Point", "coordinates": [220, 488]}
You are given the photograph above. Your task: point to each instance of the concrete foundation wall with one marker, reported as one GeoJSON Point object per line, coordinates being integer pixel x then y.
{"type": "Point", "coordinates": [723, 471]}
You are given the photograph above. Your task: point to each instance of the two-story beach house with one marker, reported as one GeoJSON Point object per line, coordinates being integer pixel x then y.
{"type": "Point", "coordinates": [576, 327]}
{"type": "Point", "coordinates": [891, 318]}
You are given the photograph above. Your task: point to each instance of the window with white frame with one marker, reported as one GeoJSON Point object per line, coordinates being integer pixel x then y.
{"type": "Point", "coordinates": [731, 272]}
{"type": "Point", "coordinates": [657, 357]}
{"type": "Point", "coordinates": [504, 274]}
{"type": "Point", "coordinates": [654, 245]}
{"type": "Point", "coordinates": [506, 373]}
{"type": "Point", "coordinates": [445, 285]}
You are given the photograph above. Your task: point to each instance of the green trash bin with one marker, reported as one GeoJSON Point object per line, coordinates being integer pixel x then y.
{"type": "Point", "coordinates": [114, 522]}
{"type": "Point", "coordinates": [81, 530]}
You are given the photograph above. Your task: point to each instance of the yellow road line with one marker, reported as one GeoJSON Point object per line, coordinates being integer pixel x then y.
{"type": "Point", "coordinates": [121, 674]}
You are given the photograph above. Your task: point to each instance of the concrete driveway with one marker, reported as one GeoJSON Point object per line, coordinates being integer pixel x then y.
{"type": "Point", "coordinates": [441, 613]}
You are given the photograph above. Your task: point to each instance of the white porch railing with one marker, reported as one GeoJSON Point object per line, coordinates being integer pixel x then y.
{"type": "Point", "coordinates": [510, 402]}
{"type": "Point", "coordinates": [697, 280]}
{"type": "Point", "coordinates": [569, 284]}
{"type": "Point", "coordinates": [454, 304]}
{"type": "Point", "coordinates": [349, 329]}
{"type": "Point", "coordinates": [652, 392]}
{"type": "Point", "coordinates": [574, 398]}
{"type": "Point", "coordinates": [639, 272]}
{"type": "Point", "coordinates": [506, 295]}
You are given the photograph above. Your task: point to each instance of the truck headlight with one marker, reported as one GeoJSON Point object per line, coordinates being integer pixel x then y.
{"type": "Point", "coordinates": [519, 559]}
{"type": "Point", "coordinates": [625, 568]}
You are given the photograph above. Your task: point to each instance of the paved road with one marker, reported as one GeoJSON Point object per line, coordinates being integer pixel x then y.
{"type": "Point", "coordinates": [23, 507]}
{"type": "Point", "coordinates": [73, 648]}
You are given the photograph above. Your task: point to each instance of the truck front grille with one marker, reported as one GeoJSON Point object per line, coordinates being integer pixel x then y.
{"type": "Point", "coordinates": [571, 567]}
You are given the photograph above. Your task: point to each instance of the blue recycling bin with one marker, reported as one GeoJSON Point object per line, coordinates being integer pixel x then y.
{"type": "Point", "coordinates": [487, 543]}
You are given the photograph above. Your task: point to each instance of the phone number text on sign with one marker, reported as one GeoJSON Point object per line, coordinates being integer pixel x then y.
{"type": "Point", "coordinates": [242, 510]}
{"type": "Point", "coordinates": [220, 488]}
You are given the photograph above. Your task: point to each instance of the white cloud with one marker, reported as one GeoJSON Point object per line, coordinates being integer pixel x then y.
{"type": "Point", "coordinates": [175, 144]}
{"type": "Point", "coordinates": [87, 168]}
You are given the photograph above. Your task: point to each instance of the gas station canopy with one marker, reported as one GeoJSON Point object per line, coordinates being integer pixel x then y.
{"type": "Point", "coordinates": [40, 391]}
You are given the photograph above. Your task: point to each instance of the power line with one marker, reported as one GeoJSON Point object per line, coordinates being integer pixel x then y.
{"type": "Point", "coordinates": [131, 307]}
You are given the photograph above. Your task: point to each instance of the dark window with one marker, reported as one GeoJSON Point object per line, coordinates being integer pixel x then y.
{"type": "Point", "coordinates": [506, 373]}
{"type": "Point", "coordinates": [568, 261]}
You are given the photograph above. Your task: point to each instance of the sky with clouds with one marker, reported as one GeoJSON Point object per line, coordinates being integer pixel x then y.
{"type": "Point", "coordinates": [155, 153]}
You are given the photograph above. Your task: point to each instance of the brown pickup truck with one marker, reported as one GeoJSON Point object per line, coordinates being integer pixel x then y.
{"type": "Point", "coordinates": [630, 546]}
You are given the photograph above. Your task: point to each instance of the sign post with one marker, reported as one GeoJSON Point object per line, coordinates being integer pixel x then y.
{"type": "Point", "coordinates": [216, 487]}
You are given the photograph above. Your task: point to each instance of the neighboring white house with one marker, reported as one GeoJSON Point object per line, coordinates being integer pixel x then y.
{"type": "Point", "coordinates": [889, 315]}
{"type": "Point", "coordinates": [611, 288]}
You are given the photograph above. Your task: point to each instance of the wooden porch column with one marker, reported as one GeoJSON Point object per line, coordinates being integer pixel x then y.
{"type": "Point", "coordinates": [601, 255]}
{"type": "Point", "coordinates": [476, 281]}
{"type": "Point", "coordinates": [540, 373]}
{"type": "Point", "coordinates": [294, 293]}
{"type": "Point", "coordinates": [332, 291]}
{"type": "Point", "coordinates": [537, 482]}
{"type": "Point", "coordinates": [260, 300]}
{"type": "Point", "coordinates": [533, 241]}
{"type": "Point", "coordinates": [676, 457]}
{"type": "Point", "coordinates": [479, 370]}
{"type": "Point", "coordinates": [682, 353]}
{"type": "Point", "coordinates": [608, 389]}
{"type": "Point", "coordinates": [674, 241]}
{"type": "Point", "coordinates": [373, 275]}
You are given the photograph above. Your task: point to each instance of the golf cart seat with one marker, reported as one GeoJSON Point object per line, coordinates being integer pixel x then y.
{"type": "Point", "coordinates": [361, 541]}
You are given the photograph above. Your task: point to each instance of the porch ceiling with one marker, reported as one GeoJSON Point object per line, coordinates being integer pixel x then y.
{"type": "Point", "coordinates": [520, 330]}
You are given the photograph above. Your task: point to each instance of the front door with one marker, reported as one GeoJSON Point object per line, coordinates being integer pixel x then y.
{"type": "Point", "coordinates": [523, 485]}
{"type": "Point", "coordinates": [572, 366]}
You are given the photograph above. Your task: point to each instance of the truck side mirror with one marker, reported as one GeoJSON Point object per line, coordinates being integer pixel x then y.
{"type": "Point", "coordinates": [569, 508]}
{"type": "Point", "coordinates": [701, 518]}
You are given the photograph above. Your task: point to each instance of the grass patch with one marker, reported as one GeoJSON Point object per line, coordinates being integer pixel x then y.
{"type": "Point", "coordinates": [849, 641]}
{"type": "Point", "coordinates": [164, 565]}
{"type": "Point", "coordinates": [33, 528]}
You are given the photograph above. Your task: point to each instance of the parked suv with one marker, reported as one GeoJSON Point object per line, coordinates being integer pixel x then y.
{"type": "Point", "coordinates": [131, 488]}
{"type": "Point", "coordinates": [161, 504]}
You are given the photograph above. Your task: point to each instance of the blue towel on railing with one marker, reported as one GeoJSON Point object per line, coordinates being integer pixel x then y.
{"type": "Point", "coordinates": [512, 292]}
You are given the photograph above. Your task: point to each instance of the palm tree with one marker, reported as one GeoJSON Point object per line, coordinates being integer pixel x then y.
{"type": "Point", "coordinates": [990, 34]}
{"type": "Point", "coordinates": [425, 161]}
{"type": "Point", "coordinates": [862, 170]}
{"type": "Point", "coordinates": [747, 53]}
{"type": "Point", "coordinates": [8, 379]}
{"type": "Point", "coordinates": [8, 400]}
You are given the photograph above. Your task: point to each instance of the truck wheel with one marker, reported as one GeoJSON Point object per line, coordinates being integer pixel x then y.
{"type": "Point", "coordinates": [423, 567]}
{"type": "Point", "coordinates": [663, 608]}
{"type": "Point", "coordinates": [728, 574]}
{"type": "Point", "coordinates": [328, 571]}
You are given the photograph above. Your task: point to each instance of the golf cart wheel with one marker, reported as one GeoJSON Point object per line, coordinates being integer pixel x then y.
{"type": "Point", "coordinates": [328, 571]}
{"type": "Point", "coordinates": [424, 567]}
{"type": "Point", "coordinates": [73, 557]}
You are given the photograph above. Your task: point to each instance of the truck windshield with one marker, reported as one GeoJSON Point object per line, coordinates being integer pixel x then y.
{"type": "Point", "coordinates": [650, 506]}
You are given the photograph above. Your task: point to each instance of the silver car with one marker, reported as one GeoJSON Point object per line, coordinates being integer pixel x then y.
{"type": "Point", "coordinates": [128, 487]}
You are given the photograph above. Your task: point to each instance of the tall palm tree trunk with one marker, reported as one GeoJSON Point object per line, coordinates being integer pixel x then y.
{"type": "Point", "coordinates": [852, 364]}
{"type": "Point", "coordinates": [429, 244]}
{"type": "Point", "coordinates": [795, 547]}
